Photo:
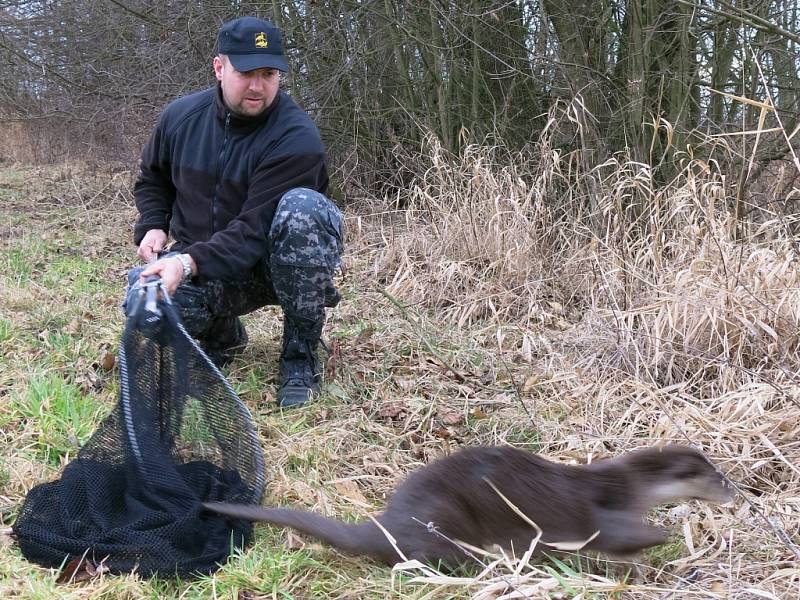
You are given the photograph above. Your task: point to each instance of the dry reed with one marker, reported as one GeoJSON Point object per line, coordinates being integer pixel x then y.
{"type": "Point", "coordinates": [641, 314]}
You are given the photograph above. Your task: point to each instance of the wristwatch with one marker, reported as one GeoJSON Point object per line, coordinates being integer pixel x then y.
{"type": "Point", "coordinates": [187, 266]}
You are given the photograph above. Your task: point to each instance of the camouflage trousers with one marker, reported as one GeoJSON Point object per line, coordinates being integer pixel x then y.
{"type": "Point", "coordinates": [304, 251]}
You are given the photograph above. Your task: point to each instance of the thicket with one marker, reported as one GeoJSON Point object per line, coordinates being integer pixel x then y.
{"type": "Point", "coordinates": [651, 79]}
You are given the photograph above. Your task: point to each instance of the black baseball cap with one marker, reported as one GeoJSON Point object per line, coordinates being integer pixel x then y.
{"type": "Point", "coordinates": [252, 43]}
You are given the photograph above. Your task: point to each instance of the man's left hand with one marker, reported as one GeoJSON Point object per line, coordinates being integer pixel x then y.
{"type": "Point", "coordinates": [170, 270]}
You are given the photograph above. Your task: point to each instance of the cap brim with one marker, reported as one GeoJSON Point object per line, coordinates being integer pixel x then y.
{"type": "Point", "coordinates": [249, 62]}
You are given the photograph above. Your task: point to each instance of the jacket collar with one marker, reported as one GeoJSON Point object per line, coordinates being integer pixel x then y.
{"type": "Point", "coordinates": [242, 123]}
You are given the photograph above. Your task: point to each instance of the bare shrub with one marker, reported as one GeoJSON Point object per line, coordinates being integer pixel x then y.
{"type": "Point", "coordinates": [679, 288]}
{"type": "Point", "coordinates": [479, 239]}
{"type": "Point", "coordinates": [627, 312]}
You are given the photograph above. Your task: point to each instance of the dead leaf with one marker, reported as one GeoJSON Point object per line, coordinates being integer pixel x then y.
{"type": "Point", "coordinates": [350, 490]}
{"type": "Point", "coordinates": [718, 587]}
{"type": "Point", "coordinates": [107, 360]}
{"type": "Point", "coordinates": [477, 413]}
{"type": "Point", "coordinates": [452, 418]}
{"type": "Point", "coordinates": [364, 335]}
{"type": "Point", "coordinates": [80, 569]}
{"type": "Point", "coordinates": [74, 326]}
{"type": "Point", "coordinates": [334, 358]}
{"type": "Point", "coordinates": [442, 432]}
{"type": "Point", "coordinates": [393, 411]}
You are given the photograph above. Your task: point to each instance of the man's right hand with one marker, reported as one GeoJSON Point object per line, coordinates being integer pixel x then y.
{"type": "Point", "coordinates": [152, 243]}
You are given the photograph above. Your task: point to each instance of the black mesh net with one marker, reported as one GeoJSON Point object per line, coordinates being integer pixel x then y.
{"type": "Point", "coordinates": [178, 436]}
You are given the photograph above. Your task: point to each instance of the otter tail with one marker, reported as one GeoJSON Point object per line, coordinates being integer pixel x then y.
{"type": "Point", "coordinates": [360, 538]}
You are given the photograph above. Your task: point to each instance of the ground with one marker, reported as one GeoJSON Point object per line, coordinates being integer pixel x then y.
{"type": "Point", "coordinates": [413, 374]}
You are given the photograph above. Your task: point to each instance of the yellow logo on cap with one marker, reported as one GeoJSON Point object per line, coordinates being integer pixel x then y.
{"type": "Point", "coordinates": [261, 40]}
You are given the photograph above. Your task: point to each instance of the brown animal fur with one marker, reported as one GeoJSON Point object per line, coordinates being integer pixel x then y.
{"type": "Point", "coordinates": [569, 503]}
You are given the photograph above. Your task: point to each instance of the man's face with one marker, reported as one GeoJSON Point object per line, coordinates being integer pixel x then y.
{"type": "Point", "coordinates": [246, 94]}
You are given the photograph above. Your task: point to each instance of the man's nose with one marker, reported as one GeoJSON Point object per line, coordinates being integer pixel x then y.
{"type": "Point", "coordinates": [258, 81]}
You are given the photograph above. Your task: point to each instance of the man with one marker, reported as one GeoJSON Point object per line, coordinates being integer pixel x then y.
{"type": "Point", "coordinates": [236, 174]}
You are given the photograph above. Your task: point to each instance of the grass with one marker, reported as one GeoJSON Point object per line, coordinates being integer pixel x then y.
{"type": "Point", "coordinates": [493, 316]}
{"type": "Point", "coordinates": [6, 330]}
{"type": "Point", "coordinates": [18, 267]}
{"type": "Point", "coordinates": [62, 416]}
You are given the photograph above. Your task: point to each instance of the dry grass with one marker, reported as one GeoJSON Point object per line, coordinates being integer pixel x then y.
{"type": "Point", "coordinates": [504, 305]}
{"type": "Point", "coordinates": [645, 315]}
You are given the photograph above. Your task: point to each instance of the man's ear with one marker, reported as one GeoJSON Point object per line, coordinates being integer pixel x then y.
{"type": "Point", "coordinates": [218, 66]}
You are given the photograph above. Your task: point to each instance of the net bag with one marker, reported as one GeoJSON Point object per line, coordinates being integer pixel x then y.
{"type": "Point", "coordinates": [178, 436]}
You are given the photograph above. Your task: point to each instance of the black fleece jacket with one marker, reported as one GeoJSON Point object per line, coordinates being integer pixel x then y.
{"type": "Point", "coordinates": [212, 179]}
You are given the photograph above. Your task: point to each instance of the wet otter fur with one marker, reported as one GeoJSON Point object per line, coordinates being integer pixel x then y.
{"type": "Point", "coordinates": [570, 503]}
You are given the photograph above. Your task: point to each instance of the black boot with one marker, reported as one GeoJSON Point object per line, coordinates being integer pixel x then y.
{"type": "Point", "coordinates": [225, 339]}
{"type": "Point", "coordinates": [300, 368]}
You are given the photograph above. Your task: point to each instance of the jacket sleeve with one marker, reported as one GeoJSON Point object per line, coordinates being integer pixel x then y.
{"type": "Point", "coordinates": [154, 192]}
{"type": "Point", "coordinates": [229, 253]}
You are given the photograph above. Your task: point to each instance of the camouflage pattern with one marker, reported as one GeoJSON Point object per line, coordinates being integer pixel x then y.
{"type": "Point", "coordinates": [304, 251]}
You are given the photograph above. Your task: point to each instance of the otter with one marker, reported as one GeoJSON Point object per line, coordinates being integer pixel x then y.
{"type": "Point", "coordinates": [467, 496]}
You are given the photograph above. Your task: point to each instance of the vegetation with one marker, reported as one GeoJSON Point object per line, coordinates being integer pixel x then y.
{"type": "Point", "coordinates": [484, 312]}
{"type": "Point", "coordinates": [571, 227]}
{"type": "Point", "coordinates": [645, 77]}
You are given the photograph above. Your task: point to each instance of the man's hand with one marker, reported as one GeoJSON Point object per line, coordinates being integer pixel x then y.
{"type": "Point", "coordinates": [170, 270]}
{"type": "Point", "coordinates": [152, 243]}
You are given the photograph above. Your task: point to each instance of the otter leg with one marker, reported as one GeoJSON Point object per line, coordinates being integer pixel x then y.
{"type": "Point", "coordinates": [624, 534]}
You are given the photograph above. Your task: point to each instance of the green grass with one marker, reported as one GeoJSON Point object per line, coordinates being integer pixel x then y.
{"type": "Point", "coordinates": [17, 267]}
{"type": "Point", "coordinates": [81, 275]}
{"type": "Point", "coordinates": [6, 330]}
{"type": "Point", "coordinates": [524, 434]}
{"type": "Point", "coordinates": [62, 347]}
{"type": "Point", "coordinates": [194, 428]}
{"type": "Point", "coordinates": [566, 573]}
{"type": "Point", "coordinates": [60, 415]}
{"type": "Point", "coordinates": [658, 556]}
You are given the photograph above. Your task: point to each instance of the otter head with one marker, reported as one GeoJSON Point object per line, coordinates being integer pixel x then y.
{"type": "Point", "coordinates": [675, 473]}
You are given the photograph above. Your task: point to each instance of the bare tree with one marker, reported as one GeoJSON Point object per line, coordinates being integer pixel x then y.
{"type": "Point", "coordinates": [640, 77]}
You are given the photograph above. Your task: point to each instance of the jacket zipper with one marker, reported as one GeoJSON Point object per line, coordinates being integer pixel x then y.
{"type": "Point", "coordinates": [220, 171]}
